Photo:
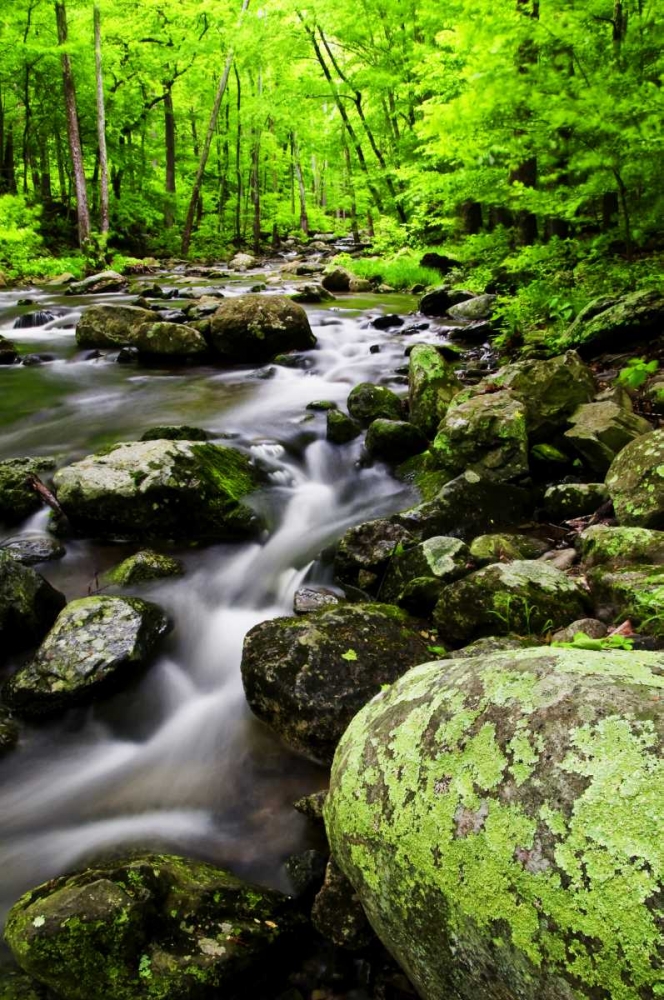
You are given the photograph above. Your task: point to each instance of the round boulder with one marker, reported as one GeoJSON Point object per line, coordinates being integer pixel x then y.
{"type": "Point", "coordinates": [251, 329]}
{"type": "Point", "coordinates": [307, 677]}
{"type": "Point", "coordinates": [500, 819]}
{"type": "Point", "coordinates": [143, 567]}
{"type": "Point", "coordinates": [95, 644]}
{"type": "Point", "coordinates": [28, 604]}
{"type": "Point", "coordinates": [394, 440]}
{"type": "Point", "coordinates": [636, 482]}
{"type": "Point", "coordinates": [367, 402]}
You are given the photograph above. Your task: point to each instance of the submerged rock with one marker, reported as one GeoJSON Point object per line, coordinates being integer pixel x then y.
{"type": "Point", "coordinates": [636, 482]}
{"type": "Point", "coordinates": [367, 402]}
{"type": "Point", "coordinates": [307, 677]}
{"type": "Point", "coordinates": [160, 488]}
{"type": "Point", "coordinates": [96, 644]}
{"type": "Point", "coordinates": [140, 568]}
{"type": "Point", "coordinates": [254, 328]}
{"type": "Point", "coordinates": [499, 818]}
{"type": "Point", "coordinates": [150, 927]}
{"type": "Point", "coordinates": [524, 596]}
{"type": "Point", "coordinates": [28, 605]}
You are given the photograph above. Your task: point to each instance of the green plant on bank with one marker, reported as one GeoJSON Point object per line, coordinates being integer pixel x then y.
{"type": "Point", "coordinates": [583, 641]}
{"type": "Point", "coordinates": [649, 609]}
{"type": "Point", "coordinates": [636, 372]}
{"type": "Point", "coordinates": [400, 272]}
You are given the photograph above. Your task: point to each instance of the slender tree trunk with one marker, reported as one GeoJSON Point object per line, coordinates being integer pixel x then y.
{"type": "Point", "coordinates": [526, 172]}
{"type": "Point", "coordinates": [238, 162]}
{"type": "Point", "coordinates": [8, 168]}
{"type": "Point", "coordinates": [104, 214]}
{"type": "Point", "coordinates": [351, 194]}
{"type": "Point", "coordinates": [205, 152]}
{"type": "Point", "coordinates": [169, 138]}
{"type": "Point", "coordinates": [304, 218]}
{"type": "Point", "coordinates": [83, 215]}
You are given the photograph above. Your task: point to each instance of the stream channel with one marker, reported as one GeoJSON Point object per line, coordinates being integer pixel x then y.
{"type": "Point", "coordinates": [176, 762]}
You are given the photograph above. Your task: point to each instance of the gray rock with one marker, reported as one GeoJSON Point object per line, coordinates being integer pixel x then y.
{"type": "Point", "coordinates": [18, 499]}
{"type": "Point", "coordinates": [617, 323]}
{"type": "Point", "coordinates": [591, 627]}
{"type": "Point", "coordinates": [33, 549]}
{"type": "Point", "coordinates": [96, 284]}
{"type": "Point", "coordinates": [486, 434]}
{"type": "Point", "coordinates": [568, 500]}
{"type": "Point", "coordinates": [600, 431]}
{"type": "Point", "coordinates": [254, 328]}
{"type": "Point", "coordinates": [479, 307]}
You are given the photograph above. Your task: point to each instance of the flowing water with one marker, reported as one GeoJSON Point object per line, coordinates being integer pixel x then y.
{"type": "Point", "coordinates": [177, 762]}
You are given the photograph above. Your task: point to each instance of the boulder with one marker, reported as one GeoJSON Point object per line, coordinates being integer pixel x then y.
{"type": "Point", "coordinates": [168, 339]}
{"type": "Point", "coordinates": [415, 576]}
{"type": "Point", "coordinates": [312, 294]}
{"type": "Point", "coordinates": [634, 591]}
{"type": "Point", "coordinates": [337, 912]}
{"type": "Point", "coordinates": [96, 644]}
{"type": "Point", "coordinates": [479, 307]}
{"type": "Point", "coordinates": [242, 261]}
{"type": "Point", "coordinates": [590, 627]}
{"type": "Point", "coordinates": [337, 280]}
{"type": "Point", "coordinates": [567, 500]}
{"type": "Point", "coordinates": [499, 818]}
{"type": "Point", "coordinates": [432, 385]}
{"type": "Point", "coordinates": [160, 488]}
{"type": "Point", "coordinates": [28, 605]}
{"type": "Point", "coordinates": [486, 549]}
{"type": "Point", "coordinates": [388, 321]}
{"type": "Point", "coordinates": [308, 599]}
{"type": "Point", "coordinates": [340, 428]}
{"type": "Point", "coordinates": [439, 262]}
{"type": "Point", "coordinates": [550, 390]}
{"type": "Point", "coordinates": [438, 301]}
{"type": "Point", "coordinates": [603, 546]}
{"type": "Point", "coordinates": [420, 471]}
{"type": "Point", "coordinates": [487, 434]}
{"type": "Point", "coordinates": [149, 927]}
{"type": "Point", "coordinates": [251, 329]}
{"type": "Point", "coordinates": [608, 324]}
{"type": "Point", "coordinates": [33, 549]}
{"type": "Point", "coordinates": [142, 567]}
{"type": "Point", "coordinates": [15, 986]}
{"type": "Point", "coordinates": [364, 550]}
{"type": "Point", "coordinates": [98, 284]}
{"type": "Point", "coordinates": [600, 431]}
{"type": "Point", "coordinates": [367, 402]}
{"type": "Point", "coordinates": [179, 432]}
{"type": "Point", "coordinates": [18, 499]}
{"type": "Point", "coordinates": [8, 352]}
{"type": "Point", "coordinates": [394, 440]}
{"type": "Point", "coordinates": [524, 596]}
{"type": "Point", "coordinates": [636, 482]}
{"type": "Point", "coordinates": [111, 326]}
{"type": "Point", "coordinates": [307, 677]}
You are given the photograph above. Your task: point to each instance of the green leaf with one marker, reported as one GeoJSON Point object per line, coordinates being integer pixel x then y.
{"type": "Point", "coordinates": [350, 654]}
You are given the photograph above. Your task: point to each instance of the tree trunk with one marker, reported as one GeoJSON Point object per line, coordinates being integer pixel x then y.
{"type": "Point", "coordinates": [304, 218]}
{"type": "Point", "coordinates": [169, 136]}
{"type": "Point", "coordinates": [351, 194]}
{"type": "Point", "coordinates": [104, 214]}
{"type": "Point", "coordinates": [76, 152]}
{"type": "Point", "coordinates": [205, 152]}
{"type": "Point", "coordinates": [238, 163]}
{"type": "Point", "coordinates": [470, 213]}
{"type": "Point", "coordinates": [526, 172]}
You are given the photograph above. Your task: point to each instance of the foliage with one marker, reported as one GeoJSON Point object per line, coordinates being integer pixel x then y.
{"type": "Point", "coordinates": [583, 641]}
{"type": "Point", "coordinates": [636, 372]}
{"type": "Point", "coordinates": [401, 272]}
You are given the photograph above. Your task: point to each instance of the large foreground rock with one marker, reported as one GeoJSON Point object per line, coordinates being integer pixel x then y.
{"type": "Point", "coordinates": [253, 328]}
{"type": "Point", "coordinates": [307, 677]}
{"type": "Point", "coordinates": [636, 482]}
{"type": "Point", "coordinates": [148, 928]}
{"type": "Point", "coordinates": [500, 819]}
{"type": "Point", "coordinates": [160, 488]}
{"type": "Point", "coordinates": [28, 605]}
{"type": "Point", "coordinates": [95, 645]}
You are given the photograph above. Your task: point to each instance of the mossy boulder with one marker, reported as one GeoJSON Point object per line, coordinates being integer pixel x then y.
{"type": "Point", "coordinates": [603, 546]}
{"type": "Point", "coordinates": [635, 592]}
{"type": "Point", "coordinates": [168, 340]}
{"type": "Point", "coordinates": [432, 385]}
{"type": "Point", "coordinates": [312, 294]}
{"type": "Point", "coordinates": [16, 986]}
{"type": "Point", "coordinates": [636, 482]}
{"type": "Point", "coordinates": [28, 605]}
{"type": "Point", "coordinates": [307, 677]}
{"type": "Point", "coordinates": [486, 434]}
{"type": "Point", "coordinates": [174, 432]}
{"type": "Point", "coordinates": [420, 471]}
{"type": "Point", "coordinates": [337, 279]}
{"type": "Point", "coordinates": [340, 428]}
{"type": "Point", "coordinates": [368, 402]}
{"type": "Point", "coordinates": [33, 548]}
{"type": "Point", "coordinates": [150, 928]}
{"type": "Point", "coordinates": [566, 500]}
{"type": "Point", "coordinates": [253, 329]}
{"type": "Point", "coordinates": [142, 567]}
{"type": "Point", "coordinates": [8, 352]}
{"type": "Point", "coordinates": [111, 326]}
{"type": "Point", "coordinates": [96, 644]}
{"type": "Point", "coordinates": [415, 576]}
{"type": "Point", "coordinates": [471, 310]}
{"type": "Point", "coordinates": [160, 488]}
{"type": "Point", "coordinates": [487, 549]}
{"type": "Point", "coordinates": [500, 820]}
{"type": "Point", "coordinates": [550, 390]}
{"type": "Point", "coordinates": [600, 431]}
{"type": "Point", "coordinates": [394, 440]}
{"type": "Point", "coordinates": [97, 284]}
{"type": "Point", "coordinates": [365, 549]}
{"type": "Point", "coordinates": [524, 596]}
{"type": "Point", "coordinates": [18, 499]}
{"type": "Point", "coordinates": [609, 323]}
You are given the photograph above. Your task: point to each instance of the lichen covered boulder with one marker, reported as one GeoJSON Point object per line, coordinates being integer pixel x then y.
{"type": "Point", "coordinates": [307, 677]}
{"type": "Point", "coordinates": [254, 328]}
{"type": "Point", "coordinates": [160, 488]}
{"type": "Point", "coordinates": [487, 549]}
{"type": "Point", "coordinates": [500, 819]}
{"type": "Point", "coordinates": [364, 550]}
{"type": "Point", "coordinates": [523, 596]}
{"type": "Point", "coordinates": [636, 482]}
{"type": "Point", "coordinates": [368, 402]}
{"type": "Point", "coordinates": [610, 323]}
{"type": "Point", "coordinates": [470, 310]}
{"type": "Point", "coordinates": [111, 326]}
{"type": "Point", "coordinates": [432, 385]}
{"type": "Point", "coordinates": [566, 500]}
{"type": "Point", "coordinates": [603, 546]}
{"type": "Point", "coordinates": [142, 567]}
{"type": "Point", "coordinates": [28, 605]}
{"type": "Point", "coordinates": [394, 440]}
{"type": "Point", "coordinates": [599, 431]}
{"type": "Point", "coordinates": [415, 576]}
{"type": "Point", "coordinates": [148, 928]}
{"type": "Point", "coordinates": [96, 284]}
{"type": "Point", "coordinates": [634, 592]}
{"type": "Point", "coordinates": [168, 339]}
{"type": "Point", "coordinates": [96, 644]}
{"type": "Point", "coordinates": [486, 434]}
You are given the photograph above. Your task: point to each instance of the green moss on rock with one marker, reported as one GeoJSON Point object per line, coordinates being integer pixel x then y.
{"type": "Point", "coordinates": [600, 545]}
{"type": "Point", "coordinates": [28, 605]}
{"type": "Point", "coordinates": [636, 482]}
{"type": "Point", "coordinates": [432, 385]}
{"type": "Point", "coordinates": [142, 567]}
{"type": "Point", "coordinates": [17, 498]}
{"type": "Point", "coordinates": [500, 820]}
{"type": "Point", "coordinates": [368, 402]}
{"type": "Point", "coordinates": [486, 434]}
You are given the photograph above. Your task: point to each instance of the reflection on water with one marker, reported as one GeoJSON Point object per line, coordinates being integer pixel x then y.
{"type": "Point", "coordinates": [177, 761]}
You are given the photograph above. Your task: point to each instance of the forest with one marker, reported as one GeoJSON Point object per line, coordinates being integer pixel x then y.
{"type": "Point", "coordinates": [331, 500]}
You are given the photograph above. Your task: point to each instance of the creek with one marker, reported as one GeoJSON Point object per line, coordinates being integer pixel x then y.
{"type": "Point", "coordinates": [176, 762]}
